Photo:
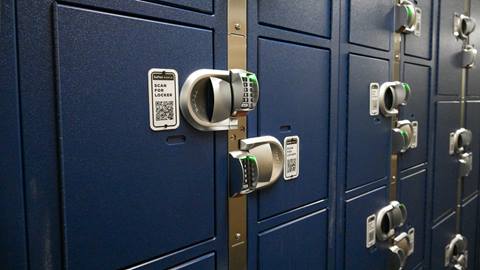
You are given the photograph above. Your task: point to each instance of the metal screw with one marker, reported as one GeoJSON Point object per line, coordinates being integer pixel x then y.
{"type": "Point", "coordinates": [397, 57]}
{"type": "Point", "coordinates": [237, 236]}
{"type": "Point", "coordinates": [237, 26]}
{"type": "Point", "coordinates": [233, 137]}
{"type": "Point", "coordinates": [242, 128]}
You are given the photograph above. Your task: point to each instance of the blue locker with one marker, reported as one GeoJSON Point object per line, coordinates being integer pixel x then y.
{"type": "Point", "coordinates": [473, 85]}
{"type": "Point", "coordinates": [442, 233]}
{"type": "Point", "coordinates": [89, 185]}
{"type": "Point", "coordinates": [445, 165]}
{"type": "Point", "coordinates": [449, 70]}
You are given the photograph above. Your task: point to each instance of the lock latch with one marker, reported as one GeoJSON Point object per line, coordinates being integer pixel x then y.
{"type": "Point", "coordinates": [258, 164]}
{"type": "Point", "coordinates": [403, 136]}
{"type": "Point", "coordinates": [400, 250]}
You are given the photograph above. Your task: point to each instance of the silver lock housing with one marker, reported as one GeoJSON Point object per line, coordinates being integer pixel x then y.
{"type": "Point", "coordinates": [402, 136]}
{"type": "Point", "coordinates": [456, 253]}
{"type": "Point", "coordinates": [392, 96]}
{"type": "Point", "coordinates": [463, 26]}
{"type": "Point", "coordinates": [405, 17]}
{"type": "Point", "coordinates": [459, 141]}
{"type": "Point", "coordinates": [269, 155]}
{"type": "Point", "coordinates": [469, 55]}
{"type": "Point", "coordinates": [390, 217]}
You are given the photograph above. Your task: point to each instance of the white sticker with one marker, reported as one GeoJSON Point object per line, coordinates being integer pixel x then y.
{"type": "Point", "coordinates": [291, 148]}
{"type": "Point", "coordinates": [411, 239]}
{"type": "Point", "coordinates": [163, 98]}
{"type": "Point", "coordinates": [415, 134]}
{"type": "Point", "coordinates": [418, 25]}
{"type": "Point", "coordinates": [374, 92]}
{"type": "Point", "coordinates": [451, 145]}
{"type": "Point", "coordinates": [371, 233]}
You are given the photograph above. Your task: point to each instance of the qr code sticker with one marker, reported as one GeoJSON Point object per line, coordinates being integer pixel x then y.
{"type": "Point", "coordinates": [291, 165]}
{"type": "Point", "coordinates": [164, 110]}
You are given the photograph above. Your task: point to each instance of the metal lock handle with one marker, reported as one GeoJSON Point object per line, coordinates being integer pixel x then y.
{"type": "Point", "coordinates": [469, 54]}
{"type": "Point", "coordinates": [393, 95]}
{"type": "Point", "coordinates": [211, 99]}
{"type": "Point", "coordinates": [258, 164]}
{"type": "Point", "coordinates": [400, 250]}
{"type": "Point", "coordinates": [466, 163]}
{"type": "Point", "coordinates": [402, 136]}
{"type": "Point", "coordinates": [459, 141]}
{"type": "Point", "coordinates": [390, 217]}
{"type": "Point", "coordinates": [456, 253]}
{"type": "Point", "coordinates": [463, 26]}
{"type": "Point", "coordinates": [405, 17]}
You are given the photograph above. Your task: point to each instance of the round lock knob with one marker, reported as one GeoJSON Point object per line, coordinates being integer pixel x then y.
{"type": "Point", "coordinates": [405, 17]}
{"type": "Point", "coordinates": [393, 95]}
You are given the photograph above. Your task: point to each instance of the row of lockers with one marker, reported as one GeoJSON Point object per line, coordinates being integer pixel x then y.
{"type": "Point", "coordinates": [87, 184]}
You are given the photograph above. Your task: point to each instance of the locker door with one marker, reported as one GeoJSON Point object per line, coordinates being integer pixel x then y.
{"type": "Point", "coordinates": [473, 85]}
{"type": "Point", "coordinates": [420, 46]}
{"type": "Point", "coordinates": [469, 228]}
{"type": "Point", "coordinates": [418, 76]}
{"type": "Point", "coordinates": [449, 71]}
{"type": "Point", "coordinates": [473, 123]}
{"type": "Point", "coordinates": [291, 50]}
{"type": "Point", "coordinates": [412, 189]}
{"type": "Point", "coordinates": [445, 165]}
{"type": "Point", "coordinates": [442, 233]}
{"type": "Point", "coordinates": [127, 191]}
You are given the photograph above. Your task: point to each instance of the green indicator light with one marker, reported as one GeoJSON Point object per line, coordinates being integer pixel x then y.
{"type": "Point", "coordinates": [252, 158]}
{"type": "Point", "coordinates": [406, 86]}
{"type": "Point", "coordinates": [403, 133]}
{"type": "Point", "coordinates": [252, 77]}
{"type": "Point", "coordinates": [410, 11]}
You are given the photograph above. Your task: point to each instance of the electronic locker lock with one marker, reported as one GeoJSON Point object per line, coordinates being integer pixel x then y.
{"type": "Point", "coordinates": [456, 253]}
{"type": "Point", "coordinates": [390, 217]}
{"type": "Point", "coordinates": [393, 95]}
{"type": "Point", "coordinates": [212, 99]}
{"type": "Point", "coordinates": [463, 26]}
{"type": "Point", "coordinates": [459, 141]}
{"type": "Point", "coordinates": [400, 250]}
{"type": "Point", "coordinates": [407, 18]}
{"type": "Point", "coordinates": [469, 54]}
{"type": "Point", "coordinates": [258, 164]}
{"type": "Point", "coordinates": [402, 136]}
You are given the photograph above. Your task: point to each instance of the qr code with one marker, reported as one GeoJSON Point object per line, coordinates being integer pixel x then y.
{"type": "Point", "coordinates": [291, 165]}
{"type": "Point", "coordinates": [164, 110]}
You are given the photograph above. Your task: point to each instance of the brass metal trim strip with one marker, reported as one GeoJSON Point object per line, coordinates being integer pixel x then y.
{"type": "Point", "coordinates": [237, 206]}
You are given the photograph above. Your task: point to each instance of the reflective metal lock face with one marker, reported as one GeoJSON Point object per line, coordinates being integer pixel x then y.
{"type": "Point", "coordinates": [407, 17]}
{"type": "Point", "coordinates": [390, 217]}
{"type": "Point", "coordinates": [402, 136]}
{"type": "Point", "coordinates": [258, 164]}
{"type": "Point", "coordinates": [469, 54]}
{"type": "Point", "coordinates": [211, 99]}
{"type": "Point", "coordinates": [393, 95]}
{"type": "Point", "coordinates": [463, 26]}
{"type": "Point", "coordinates": [456, 253]}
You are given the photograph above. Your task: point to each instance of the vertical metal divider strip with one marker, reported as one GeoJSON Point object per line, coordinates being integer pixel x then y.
{"type": "Point", "coordinates": [237, 206]}
{"type": "Point", "coordinates": [463, 89]}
